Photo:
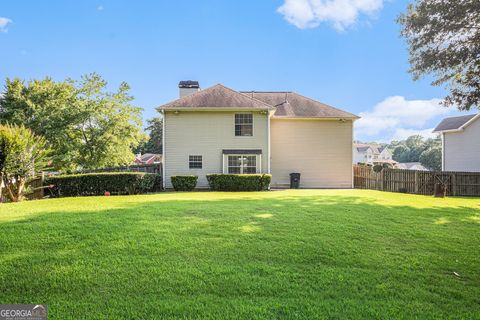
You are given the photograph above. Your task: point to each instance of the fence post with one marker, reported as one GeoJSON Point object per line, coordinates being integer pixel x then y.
{"type": "Point", "coordinates": [416, 182]}
{"type": "Point", "coordinates": [454, 184]}
{"type": "Point", "coordinates": [1, 187]}
{"type": "Point", "coordinates": [382, 181]}
{"type": "Point", "coordinates": [42, 190]}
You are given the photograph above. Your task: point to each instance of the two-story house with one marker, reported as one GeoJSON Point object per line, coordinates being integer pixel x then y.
{"type": "Point", "coordinates": [371, 154]}
{"type": "Point", "coordinates": [220, 130]}
{"type": "Point", "coordinates": [460, 143]}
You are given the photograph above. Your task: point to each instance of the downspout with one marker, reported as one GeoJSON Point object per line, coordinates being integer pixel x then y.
{"type": "Point", "coordinates": [268, 142]}
{"type": "Point", "coordinates": [351, 148]}
{"type": "Point", "coordinates": [443, 151]}
{"type": "Point", "coordinates": [163, 150]}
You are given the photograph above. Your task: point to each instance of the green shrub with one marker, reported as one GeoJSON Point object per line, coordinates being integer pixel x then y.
{"type": "Point", "coordinates": [23, 155]}
{"type": "Point", "coordinates": [184, 183]}
{"type": "Point", "coordinates": [151, 183]}
{"type": "Point", "coordinates": [93, 184]}
{"type": "Point", "coordinates": [239, 182]}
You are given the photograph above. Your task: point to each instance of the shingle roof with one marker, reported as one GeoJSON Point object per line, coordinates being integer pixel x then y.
{"type": "Point", "coordinates": [453, 123]}
{"type": "Point", "coordinates": [217, 96]}
{"type": "Point", "coordinates": [362, 148]}
{"type": "Point", "coordinates": [147, 156]}
{"type": "Point", "coordinates": [286, 104]}
{"type": "Point", "coordinates": [411, 165]}
{"type": "Point", "coordinates": [294, 105]}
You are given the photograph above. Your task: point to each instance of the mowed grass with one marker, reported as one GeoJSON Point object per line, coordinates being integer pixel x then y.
{"type": "Point", "coordinates": [293, 254]}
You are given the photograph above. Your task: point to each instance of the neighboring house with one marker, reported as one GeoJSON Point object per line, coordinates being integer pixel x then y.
{"type": "Point", "coordinates": [220, 130]}
{"type": "Point", "coordinates": [148, 158]}
{"type": "Point", "coordinates": [411, 166]}
{"type": "Point", "coordinates": [371, 154]}
{"type": "Point", "coordinates": [460, 143]}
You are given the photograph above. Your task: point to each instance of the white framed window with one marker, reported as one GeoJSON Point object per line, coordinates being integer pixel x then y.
{"type": "Point", "coordinates": [240, 164]}
{"type": "Point", "coordinates": [195, 162]}
{"type": "Point", "coordinates": [243, 124]}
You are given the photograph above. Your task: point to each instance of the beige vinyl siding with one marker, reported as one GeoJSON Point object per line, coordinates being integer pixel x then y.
{"type": "Point", "coordinates": [207, 133]}
{"type": "Point", "coordinates": [462, 149]}
{"type": "Point", "coordinates": [321, 150]}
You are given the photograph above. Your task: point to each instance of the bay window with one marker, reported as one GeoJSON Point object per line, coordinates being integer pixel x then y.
{"type": "Point", "coordinates": [240, 164]}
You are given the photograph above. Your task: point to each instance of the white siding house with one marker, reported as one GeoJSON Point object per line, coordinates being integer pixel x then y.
{"type": "Point", "coordinates": [460, 143]}
{"type": "Point", "coordinates": [371, 154]}
{"type": "Point", "coordinates": [220, 130]}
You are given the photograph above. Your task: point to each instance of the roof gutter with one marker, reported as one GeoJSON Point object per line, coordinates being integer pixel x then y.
{"type": "Point", "coordinates": [449, 130]}
{"type": "Point", "coordinates": [173, 109]}
{"type": "Point", "coordinates": [314, 118]}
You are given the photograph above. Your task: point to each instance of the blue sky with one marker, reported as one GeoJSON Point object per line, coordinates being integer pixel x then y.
{"type": "Point", "coordinates": [346, 53]}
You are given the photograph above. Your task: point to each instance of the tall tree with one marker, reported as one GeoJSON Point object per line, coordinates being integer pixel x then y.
{"type": "Point", "coordinates": [444, 41]}
{"type": "Point", "coordinates": [48, 109]}
{"type": "Point", "coordinates": [108, 126]}
{"type": "Point", "coordinates": [155, 133]}
{"type": "Point", "coordinates": [86, 125]}
{"type": "Point", "coordinates": [432, 158]}
{"type": "Point", "coordinates": [415, 145]}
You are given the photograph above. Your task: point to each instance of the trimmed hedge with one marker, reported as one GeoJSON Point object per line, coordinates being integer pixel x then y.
{"type": "Point", "coordinates": [184, 183]}
{"type": "Point", "coordinates": [95, 184]}
{"type": "Point", "coordinates": [239, 182]}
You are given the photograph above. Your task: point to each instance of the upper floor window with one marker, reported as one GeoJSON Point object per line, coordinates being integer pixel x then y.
{"type": "Point", "coordinates": [243, 124]}
{"type": "Point", "coordinates": [195, 162]}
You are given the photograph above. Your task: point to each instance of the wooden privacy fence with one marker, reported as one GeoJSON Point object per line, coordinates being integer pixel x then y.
{"type": "Point", "coordinates": [416, 181]}
{"type": "Point", "coordinates": [36, 188]}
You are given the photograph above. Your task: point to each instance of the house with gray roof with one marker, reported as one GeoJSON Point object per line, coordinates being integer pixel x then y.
{"type": "Point", "coordinates": [372, 153]}
{"type": "Point", "coordinates": [221, 130]}
{"type": "Point", "coordinates": [460, 143]}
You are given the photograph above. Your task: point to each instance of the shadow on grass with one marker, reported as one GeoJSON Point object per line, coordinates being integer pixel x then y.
{"type": "Point", "coordinates": [314, 256]}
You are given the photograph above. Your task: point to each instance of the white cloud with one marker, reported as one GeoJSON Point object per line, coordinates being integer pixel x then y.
{"type": "Point", "coordinates": [341, 13]}
{"type": "Point", "coordinates": [395, 118]}
{"type": "Point", "coordinates": [4, 22]}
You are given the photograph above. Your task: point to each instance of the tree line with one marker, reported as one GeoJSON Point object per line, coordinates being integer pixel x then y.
{"type": "Point", "coordinates": [418, 149]}
{"type": "Point", "coordinates": [85, 125]}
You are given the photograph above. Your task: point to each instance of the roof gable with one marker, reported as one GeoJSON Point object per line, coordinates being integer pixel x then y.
{"type": "Point", "coordinates": [374, 148]}
{"type": "Point", "coordinates": [455, 123]}
{"type": "Point", "coordinates": [363, 148]}
{"type": "Point", "coordinates": [217, 96]}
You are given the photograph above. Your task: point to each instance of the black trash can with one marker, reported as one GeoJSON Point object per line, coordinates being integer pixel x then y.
{"type": "Point", "coordinates": [294, 180]}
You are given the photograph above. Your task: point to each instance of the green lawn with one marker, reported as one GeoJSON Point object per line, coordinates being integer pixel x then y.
{"type": "Point", "coordinates": [294, 254]}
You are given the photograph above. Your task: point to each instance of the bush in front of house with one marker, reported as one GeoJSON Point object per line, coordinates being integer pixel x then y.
{"type": "Point", "coordinates": [95, 184]}
{"type": "Point", "coordinates": [150, 183]}
{"type": "Point", "coordinates": [184, 183]}
{"type": "Point", "coordinates": [239, 182]}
